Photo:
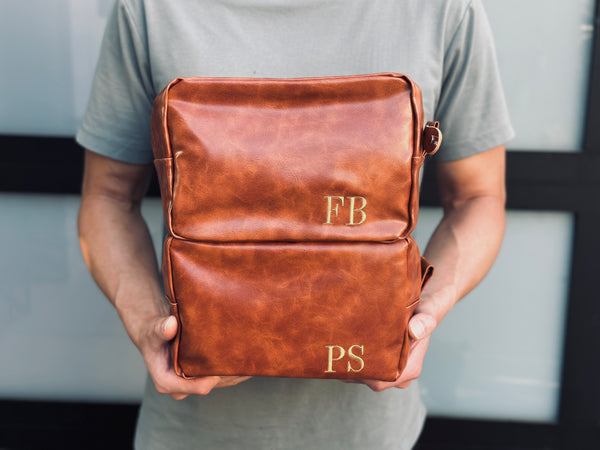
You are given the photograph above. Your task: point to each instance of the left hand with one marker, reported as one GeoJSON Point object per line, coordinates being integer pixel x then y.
{"type": "Point", "coordinates": [462, 248]}
{"type": "Point", "coordinates": [420, 327]}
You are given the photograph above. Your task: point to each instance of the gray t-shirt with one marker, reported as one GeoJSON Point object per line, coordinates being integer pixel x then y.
{"type": "Point", "coordinates": [444, 45]}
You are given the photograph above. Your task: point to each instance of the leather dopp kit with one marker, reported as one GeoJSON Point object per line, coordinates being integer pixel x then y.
{"type": "Point", "coordinates": [289, 205]}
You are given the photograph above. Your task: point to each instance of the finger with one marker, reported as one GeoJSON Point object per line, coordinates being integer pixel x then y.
{"type": "Point", "coordinates": [206, 384]}
{"type": "Point", "coordinates": [179, 388]}
{"type": "Point", "coordinates": [231, 381]}
{"type": "Point", "coordinates": [166, 328]}
{"type": "Point", "coordinates": [179, 396]}
{"type": "Point", "coordinates": [414, 364]}
{"type": "Point", "coordinates": [421, 325]}
{"type": "Point", "coordinates": [378, 386]}
{"type": "Point", "coordinates": [202, 385]}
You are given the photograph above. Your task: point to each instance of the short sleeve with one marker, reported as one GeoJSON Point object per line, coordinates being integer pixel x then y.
{"type": "Point", "coordinates": [471, 107]}
{"type": "Point", "coordinates": [117, 120]}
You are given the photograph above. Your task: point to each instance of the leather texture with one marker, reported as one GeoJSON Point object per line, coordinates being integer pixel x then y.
{"type": "Point", "coordinates": [289, 205]}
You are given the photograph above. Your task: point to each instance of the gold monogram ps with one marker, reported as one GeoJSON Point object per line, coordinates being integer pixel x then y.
{"type": "Point", "coordinates": [352, 357]}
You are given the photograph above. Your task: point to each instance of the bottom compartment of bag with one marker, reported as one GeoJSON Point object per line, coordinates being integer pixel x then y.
{"type": "Point", "coordinates": [318, 310]}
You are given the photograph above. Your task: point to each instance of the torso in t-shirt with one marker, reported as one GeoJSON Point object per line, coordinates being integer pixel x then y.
{"type": "Point", "coordinates": [445, 46]}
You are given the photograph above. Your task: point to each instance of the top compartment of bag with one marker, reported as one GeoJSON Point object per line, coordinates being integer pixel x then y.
{"type": "Point", "coordinates": [310, 159]}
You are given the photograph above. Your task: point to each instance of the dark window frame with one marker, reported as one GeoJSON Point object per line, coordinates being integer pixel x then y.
{"type": "Point", "coordinates": [542, 180]}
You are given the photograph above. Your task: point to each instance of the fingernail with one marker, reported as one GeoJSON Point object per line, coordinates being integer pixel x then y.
{"type": "Point", "coordinates": [417, 329]}
{"type": "Point", "coordinates": [165, 323]}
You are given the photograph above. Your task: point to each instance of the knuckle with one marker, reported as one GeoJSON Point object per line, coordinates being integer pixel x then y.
{"type": "Point", "coordinates": [161, 388]}
{"type": "Point", "coordinates": [204, 390]}
{"type": "Point", "coordinates": [377, 387]}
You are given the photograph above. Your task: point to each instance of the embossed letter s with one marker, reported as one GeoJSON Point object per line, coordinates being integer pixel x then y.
{"type": "Point", "coordinates": [356, 358]}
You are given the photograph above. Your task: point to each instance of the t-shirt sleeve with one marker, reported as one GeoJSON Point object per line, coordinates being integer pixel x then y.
{"type": "Point", "coordinates": [117, 120]}
{"type": "Point", "coordinates": [471, 108]}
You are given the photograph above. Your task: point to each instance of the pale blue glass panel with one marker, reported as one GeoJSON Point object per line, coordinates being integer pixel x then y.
{"type": "Point", "coordinates": [48, 52]}
{"type": "Point", "coordinates": [59, 336]}
{"type": "Point", "coordinates": [498, 353]}
{"type": "Point", "coordinates": [544, 50]}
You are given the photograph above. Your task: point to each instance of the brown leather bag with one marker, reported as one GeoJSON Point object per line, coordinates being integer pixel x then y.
{"type": "Point", "coordinates": [289, 205]}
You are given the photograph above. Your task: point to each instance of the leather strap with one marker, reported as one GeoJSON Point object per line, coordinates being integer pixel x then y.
{"type": "Point", "coordinates": [432, 138]}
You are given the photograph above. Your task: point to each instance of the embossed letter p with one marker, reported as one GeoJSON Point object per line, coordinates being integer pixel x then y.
{"type": "Point", "coordinates": [331, 359]}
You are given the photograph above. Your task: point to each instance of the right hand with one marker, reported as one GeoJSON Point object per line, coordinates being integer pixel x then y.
{"type": "Point", "coordinates": [118, 250]}
{"type": "Point", "coordinates": [154, 344]}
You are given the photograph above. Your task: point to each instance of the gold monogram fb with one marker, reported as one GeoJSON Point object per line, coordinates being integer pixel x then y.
{"type": "Point", "coordinates": [339, 201]}
{"type": "Point", "coordinates": [341, 353]}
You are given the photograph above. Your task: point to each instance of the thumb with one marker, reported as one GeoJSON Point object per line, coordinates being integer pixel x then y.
{"type": "Point", "coordinates": [421, 325]}
{"type": "Point", "coordinates": [166, 328]}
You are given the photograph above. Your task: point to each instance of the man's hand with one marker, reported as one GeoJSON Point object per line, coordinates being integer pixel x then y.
{"type": "Point", "coordinates": [118, 250]}
{"type": "Point", "coordinates": [420, 327]}
{"type": "Point", "coordinates": [462, 249]}
{"type": "Point", "coordinates": [154, 344]}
